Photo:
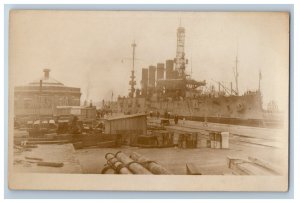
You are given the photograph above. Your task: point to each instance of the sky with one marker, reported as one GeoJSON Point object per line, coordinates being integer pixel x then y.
{"type": "Point", "coordinates": [92, 49]}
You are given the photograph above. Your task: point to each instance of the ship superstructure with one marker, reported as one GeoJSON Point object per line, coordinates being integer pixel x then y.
{"type": "Point", "coordinates": [166, 87]}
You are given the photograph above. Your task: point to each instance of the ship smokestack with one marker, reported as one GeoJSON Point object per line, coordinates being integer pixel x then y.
{"type": "Point", "coordinates": [46, 73]}
{"type": "Point", "coordinates": [144, 81]}
{"type": "Point", "coordinates": [169, 69]}
{"type": "Point", "coordinates": [152, 70]}
{"type": "Point", "coordinates": [160, 71]}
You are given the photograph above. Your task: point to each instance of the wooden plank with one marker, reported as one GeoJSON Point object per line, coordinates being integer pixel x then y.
{"type": "Point", "coordinates": [246, 167]}
{"type": "Point", "coordinates": [264, 164]}
{"type": "Point", "coordinates": [191, 169]}
{"type": "Point", "coordinates": [33, 158]}
{"type": "Point", "coordinates": [48, 142]}
{"type": "Point", "coordinates": [51, 164]}
{"type": "Point", "coordinates": [233, 164]}
{"type": "Point", "coordinates": [78, 145]}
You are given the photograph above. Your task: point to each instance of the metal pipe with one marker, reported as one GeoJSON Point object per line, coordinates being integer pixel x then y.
{"type": "Point", "coordinates": [152, 166]}
{"type": "Point", "coordinates": [116, 164]}
{"type": "Point", "coordinates": [133, 166]}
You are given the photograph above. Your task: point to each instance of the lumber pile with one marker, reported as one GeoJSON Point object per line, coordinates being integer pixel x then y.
{"type": "Point", "coordinates": [191, 169]}
{"type": "Point", "coordinates": [199, 138]}
{"type": "Point", "coordinates": [251, 166]}
{"type": "Point", "coordinates": [121, 163]}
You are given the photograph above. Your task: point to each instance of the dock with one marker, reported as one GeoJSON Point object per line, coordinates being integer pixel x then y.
{"type": "Point", "coordinates": [194, 157]}
{"type": "Point", "coordinates": [47, 158]}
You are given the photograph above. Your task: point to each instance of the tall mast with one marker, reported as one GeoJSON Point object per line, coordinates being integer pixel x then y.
{"type": "Point", "coordinates": [180, 55]}
{"type": "Point", "coordinates": [132, 82]}
{"type": "Point", "coordinates": [191, 66]}
{"type": "Point", "coordinates": [236, 73]}
{"type": "Point", "coordinates": [236, 76]}
{"type": "Point", "coordinates": [259, 79]}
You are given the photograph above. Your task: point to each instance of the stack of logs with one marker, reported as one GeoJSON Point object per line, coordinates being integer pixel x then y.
{"type": "Point", "coordinates": [120, 163]}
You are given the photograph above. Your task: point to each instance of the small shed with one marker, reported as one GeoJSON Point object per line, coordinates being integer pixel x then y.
{"type": "Point", "coordinates": [129, 123]}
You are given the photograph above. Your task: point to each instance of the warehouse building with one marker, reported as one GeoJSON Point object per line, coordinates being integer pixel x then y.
{"type": "Point", "coordinates": [41, 97]}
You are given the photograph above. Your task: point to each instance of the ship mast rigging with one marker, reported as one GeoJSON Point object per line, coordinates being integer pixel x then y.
{"type": "Point", "coordinates": [132, 81]}
{"type": "Point", "coordinates": [236, 73]}
{"type": "Point", "coordinates": [259, 80]}
{"type": "Point", "coordinates": [180, 54]}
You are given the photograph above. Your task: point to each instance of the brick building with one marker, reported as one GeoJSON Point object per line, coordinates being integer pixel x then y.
{"type": "Point", "coordinates": [42, 96]}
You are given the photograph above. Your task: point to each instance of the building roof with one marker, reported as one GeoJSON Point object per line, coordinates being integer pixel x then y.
{"type": "Point", "coordinates": [46, 80]}
{"type": "Point", "coordinates": [125, 116]}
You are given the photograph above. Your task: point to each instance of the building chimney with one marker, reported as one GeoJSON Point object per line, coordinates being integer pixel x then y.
{"type": "Point", "coordinates": [46, 73]}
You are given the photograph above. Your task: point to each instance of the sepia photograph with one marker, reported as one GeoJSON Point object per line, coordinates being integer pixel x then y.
{"type": "Point", "coordinates": [148, 100]}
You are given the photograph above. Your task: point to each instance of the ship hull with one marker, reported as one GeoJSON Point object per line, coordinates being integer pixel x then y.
{"type": "Point", "coordinates": [235, 110]}
{"type": "Point", "coordinates": [269, 123]}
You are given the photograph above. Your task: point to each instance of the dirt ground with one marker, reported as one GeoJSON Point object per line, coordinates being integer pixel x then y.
{"type": "Point", "coordinates": [24, 161]}
{"type": "Point", "coordinates": [208, 161]}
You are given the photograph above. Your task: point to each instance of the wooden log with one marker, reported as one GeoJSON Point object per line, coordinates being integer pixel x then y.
{"type": "Point", "coordinates": [136, 168]}
{"type": "Point", "coordinates": [33, 158]}
{"type": "Point", "coordinates": [50, 164]}
{"type": "Point", "coordinates": [154, 167]}
{"type": "Point", "coordinates": [47, 142]}
{"type": "Point", "coordinates": [116, 164]}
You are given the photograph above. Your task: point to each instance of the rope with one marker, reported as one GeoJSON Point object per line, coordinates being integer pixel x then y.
{"type": "Point", "coordinates": [119, 167]}
{"type": "Point", "coordinates": [105, 169]}
{"type": "Point", "coordinates": [108, 154]}
{"type": "Point", "coordinates": [117, 154]}
{"type": "Point", "coordinates": [110, 159]}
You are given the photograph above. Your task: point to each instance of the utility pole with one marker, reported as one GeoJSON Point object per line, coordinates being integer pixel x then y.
{"type": "Point", "coordinates": [40, 98]}
{"type": "Point", "coordinates": [260, 77]}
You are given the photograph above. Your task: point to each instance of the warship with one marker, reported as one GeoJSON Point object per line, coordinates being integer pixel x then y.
{"type": "Point", "coordinates": [167, 89]}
